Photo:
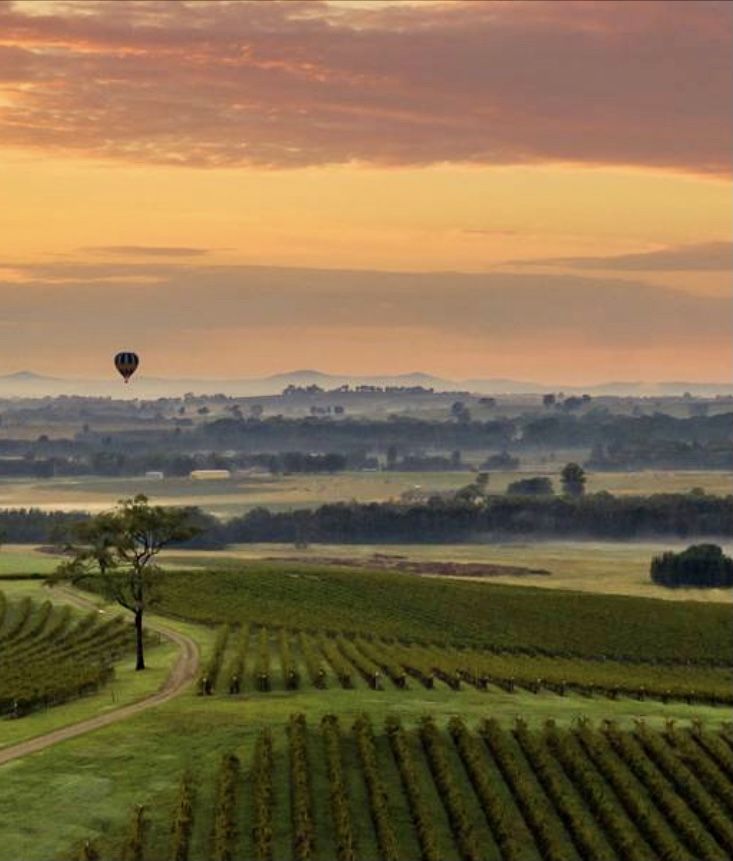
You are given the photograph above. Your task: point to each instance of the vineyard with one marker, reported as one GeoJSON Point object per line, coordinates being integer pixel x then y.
{"type": "Point", "coordinates": [350, 789]}
{"type": "Point", "coordinates": [480, 616]}
{"type": "Point", "coordinates": [256, 658]}
{"type": "Point", "coordinates": [49, 655]}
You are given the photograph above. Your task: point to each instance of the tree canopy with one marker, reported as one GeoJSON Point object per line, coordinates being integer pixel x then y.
{"type": "Point", "coordinates": [700, 565]}
{"type": "Point", "coordinates": [115, 552]}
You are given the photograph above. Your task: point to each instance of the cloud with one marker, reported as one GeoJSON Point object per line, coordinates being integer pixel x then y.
{"type": "Point", "coordinates": [304, 83]}
{"type": "Point", "coordinates": [145, 250]}
{"type": "Point", "coordinates": [493, 308]}
{"type": "Point", "coordinates": [699, 257]}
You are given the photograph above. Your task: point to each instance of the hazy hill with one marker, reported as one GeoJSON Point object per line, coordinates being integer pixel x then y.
{"type": "Point", "coordinates": [30, 384]}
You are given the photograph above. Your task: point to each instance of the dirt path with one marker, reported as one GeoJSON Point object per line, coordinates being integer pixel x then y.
{"type": "Point", "coordinates": [183, 672]}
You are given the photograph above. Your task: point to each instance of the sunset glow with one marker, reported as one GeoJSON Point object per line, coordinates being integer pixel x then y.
{"type": "Point", "coordinates": [530, 189]}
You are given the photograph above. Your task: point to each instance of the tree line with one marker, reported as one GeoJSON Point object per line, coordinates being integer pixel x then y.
{"type": "Point", "coordinates": [461, 518]}
{"type": "Point", "coordinates": [599, 515]}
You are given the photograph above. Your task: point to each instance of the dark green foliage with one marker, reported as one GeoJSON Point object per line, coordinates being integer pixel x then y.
{"type": "Point", "coordinates": [594, 790]}
{"type": "Point", "coordinates": [587, 794]}
{"type": "Point", "coordinates": [639, 807]}
{"type": "Point", "coordinates": [262, 680]}
{"type": "Point", "coordinates": [262, 796]}
{"type": "Point", "coordinates": [378, 803]}
{"type": "Point", "coordinates": [225, 817]}
{"type": "Point", "coordinates": [89, 852]}
{"type": "Point", "coordinates": [422, 817]}
{"type": "Point", "coordinates": [115, 552]}
{"type": "Point", "coordinates": [571, 810]}
{"type": "Point", "coordinates": [502, 822]}
{"type": "Point", "coordinates": [235, 672]}
{"type": "Point", "coordinates": [679, 815]}
{"type": "Point", "coordinates": [688, 785]}
{"type": "Point", "coordinates": [450, 793]}
{"type": "Point", "coordinates": [183, 818]}
{"type": "Point", "coordinates": [134, 846]}
{"type": "Point", "coordinates": [340, 666]}
{"type": "Point", "coordinates": [573, 479]}
{"type": "Point", "coordinates": [705, 756]}
{"type": "Point", "coordinates": [366, 667]}
{"type": "Point", "coordinates": [301, 800]}
{"type": "Point", "coordinates": [386, 604]}
{"type": "Point", "coordinates": [700, 566]}
{"type": "Point", "coordinates": [210, 675]}
{"type": "Point", "coordinates": [291, 677]}
{"type": "Point", "coordinates": [313, 660]}
{"type": "Point", "coordinates": [716, 747]}
{"type": "Point", "coordinates": [539, 486]}
{"type": "Point", "coordinates": [440, 520]}
{"type": "Point", "coordinates": [381, 654]}
{"type": "Point", "coordinates": [338, 793]}
{"type": "Point", "coordinates": [45, 660]}
{"type": "Point", "coordinates": [531, 802]}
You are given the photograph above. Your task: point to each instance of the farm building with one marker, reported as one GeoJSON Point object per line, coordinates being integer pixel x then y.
{"type": "Point", "coordinates": [210, 474]}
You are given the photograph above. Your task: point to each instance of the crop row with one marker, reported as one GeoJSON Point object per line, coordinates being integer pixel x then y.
{"type": "Point", "coordinates": [262, 796]}
{"type": "Point", "coordinates": [548, 793]}
{"type": "Point", "coordinates": [420, 811]}
{"type": "Point", "coordinates": [225, 824]}
{"type": "Point", "coordinates": [338, 793]}
{"type": "Point", "coordinates": [46, 660]}
{"type": "Point", "coordinates": [380, 663]}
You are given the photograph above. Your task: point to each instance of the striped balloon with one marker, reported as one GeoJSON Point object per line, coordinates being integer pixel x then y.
{"type": "Point", "coordinates": [126, 364]}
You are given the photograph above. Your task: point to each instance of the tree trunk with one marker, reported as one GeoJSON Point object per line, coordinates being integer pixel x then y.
{"type": "Point", "coordinates": [140, 665]}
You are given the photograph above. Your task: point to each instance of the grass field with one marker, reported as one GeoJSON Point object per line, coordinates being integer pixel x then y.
{"type": "Point", "coordinates": [608, 567]}
{"type": "Point", "coordinates": [231, 497]}
{"type": "Point", "coordinates": [20, 559]}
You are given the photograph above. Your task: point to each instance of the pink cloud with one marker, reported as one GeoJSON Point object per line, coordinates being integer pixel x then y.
{"type": "Point", "coordinates": [301, 83]}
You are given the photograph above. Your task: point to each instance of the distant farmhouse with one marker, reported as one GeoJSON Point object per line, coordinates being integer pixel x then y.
{"type": "Point", "coordinates": [210, 474]}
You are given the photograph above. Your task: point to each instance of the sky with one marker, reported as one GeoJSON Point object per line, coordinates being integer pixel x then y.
{"type": "Point", "coordinates": [525, 189]}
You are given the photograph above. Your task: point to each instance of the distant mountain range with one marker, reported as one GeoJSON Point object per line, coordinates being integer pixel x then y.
{"type": "Point", "coordinates": [29, 384]}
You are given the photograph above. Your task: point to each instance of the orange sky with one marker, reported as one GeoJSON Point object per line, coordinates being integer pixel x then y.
{"type": "Point", "coordinates": [175, 177]}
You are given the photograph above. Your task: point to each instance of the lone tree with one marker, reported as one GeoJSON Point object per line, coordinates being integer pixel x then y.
{"type": "Point", "coordinates": [573, 479]}
{"type": "Point", "coordinates": [117, 551]}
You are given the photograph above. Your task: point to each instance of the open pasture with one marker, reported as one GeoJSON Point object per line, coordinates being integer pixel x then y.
{"type": "Point", "coordinates": [22, 560]}
{"type": "Point", "coordinates": [227, 498]}
{"type": "Point", "coordinates": [607, 567]}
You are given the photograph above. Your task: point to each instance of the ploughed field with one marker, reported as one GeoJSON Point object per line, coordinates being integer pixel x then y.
{"type": "Point", "coordinates": [356, 790]}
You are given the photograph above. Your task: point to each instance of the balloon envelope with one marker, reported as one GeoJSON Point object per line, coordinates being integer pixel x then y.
{"type": "Point", "coordinates": [126, 364]}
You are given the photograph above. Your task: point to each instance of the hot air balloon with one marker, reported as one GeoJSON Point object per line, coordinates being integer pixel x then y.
{"type": "Point", "coordinates": [126, 364]}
